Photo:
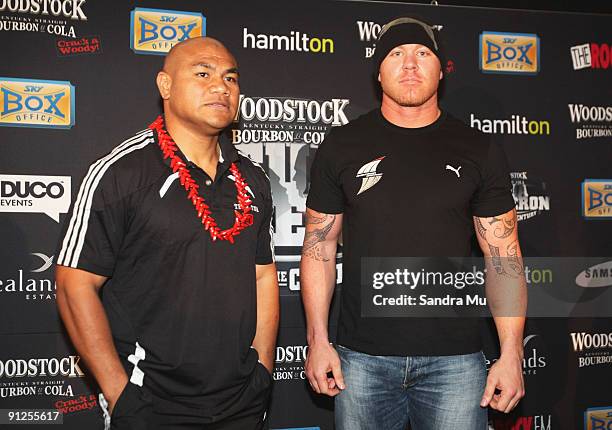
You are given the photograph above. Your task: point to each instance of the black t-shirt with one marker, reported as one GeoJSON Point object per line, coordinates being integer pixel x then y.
{"type": "Point", "coordinates": [181, 307]}
{"type": "Point", "coordinates": [399, 199]}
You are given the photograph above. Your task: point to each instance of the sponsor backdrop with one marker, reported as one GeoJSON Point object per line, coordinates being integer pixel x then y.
{"type": "Point", "coordinates": [78, 77]}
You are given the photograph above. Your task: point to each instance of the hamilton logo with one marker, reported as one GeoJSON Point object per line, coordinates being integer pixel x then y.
{"type": "Point", "coordinates": [369, 175]}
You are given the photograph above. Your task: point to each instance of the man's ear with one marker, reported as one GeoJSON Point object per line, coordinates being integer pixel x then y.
{"type": "Point", "coordinates": [378, 76]}
{"type": "Point", "coordinates": [164, 84]}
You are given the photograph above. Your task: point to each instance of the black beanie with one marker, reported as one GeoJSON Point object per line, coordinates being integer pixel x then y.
{"type": "Point", "coordinates": [403, 31]}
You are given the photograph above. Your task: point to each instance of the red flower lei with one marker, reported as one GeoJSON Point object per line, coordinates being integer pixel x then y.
{"type": "Point", "coordinates": [243, 219]}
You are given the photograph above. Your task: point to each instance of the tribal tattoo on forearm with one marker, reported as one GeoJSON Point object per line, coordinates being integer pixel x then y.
{"type": "Point", "coordinates": [313, 247]}
{"type": "Point", "coordinates": [496, 232]}
{"type": "Point", "coordinates": [505, 229]}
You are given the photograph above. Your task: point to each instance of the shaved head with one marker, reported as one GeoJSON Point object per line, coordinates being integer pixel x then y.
{"type": "Point", "coordinates": [190, 47]}
{"type": "Point", "coordinates": [199, 85]}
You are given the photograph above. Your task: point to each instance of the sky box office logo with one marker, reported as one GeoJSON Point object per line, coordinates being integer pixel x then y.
{"type": "Point", "coordinates": [36, 103]}
{"type": "Point", "coordinates": [598, 418]}
{"type": "Point", "coordinates": [156, 31]}
{"type": "Point", "coordinates": [515, 53]}
{"type": "Point", "coordinates": [597, 199]}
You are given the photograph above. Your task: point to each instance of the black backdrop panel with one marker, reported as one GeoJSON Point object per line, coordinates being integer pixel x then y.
{"type": "Point", "coordinates": [110, 92]}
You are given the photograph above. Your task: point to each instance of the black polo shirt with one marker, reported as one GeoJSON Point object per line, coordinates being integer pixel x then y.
{"type": "Point", "coordinates": [181, 307]}
{"type": "Point", "coordinates": [406, 192]}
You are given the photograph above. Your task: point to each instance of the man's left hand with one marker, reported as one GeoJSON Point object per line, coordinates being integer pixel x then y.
{"type": "Point", "coordinates": [506, 375]}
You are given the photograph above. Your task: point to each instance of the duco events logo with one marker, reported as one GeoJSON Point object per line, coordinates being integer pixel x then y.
{"type": "Point", "coordinates": [591, 56]}
{"type": "Point", "coordinates": [533, 422]}
{"type": "Point", "coordinates": [35, 194]}
{"type": "Point", "coordinates": [282, 134]}
{"type": "Point", "coordinates": [46, 371]}
{"type": "Point", "coordinates": [597, 199]}
{"type": "Point", "coordinates": [295, 41]}
{"type": "Point", "coordinates": [530, 196]}
{"type": "Point", "coordinates": [517, 53]}
{"type": "Point", "coordinates": [593, 121]}
{"type": "Point", "coordinates": [597, 276]}
{"type": "Point", "coordinates": [156, 31]}
{"type": "Point", "coordinates": [289, 363]}
{"type": "Point", "coordinates": [35, 283]}
{"type": "Point", "coordinates": [517, 124]}
{"type": "Point", "coordinates": [49, 17]}
{"type": "Point", "coordinates": [592, 348]}
{"type": "Point", "coordinates": [598, 418]}
{"type": "Point", "coordinates": [36, 103]}
{"type": "Point", "coordinates": [533, 359]}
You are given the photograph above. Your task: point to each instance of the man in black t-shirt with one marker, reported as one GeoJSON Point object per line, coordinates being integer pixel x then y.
{"type": "Point", "coordinates": [174, 227]}
{"type": "Point", "coordinates": [409, 180]}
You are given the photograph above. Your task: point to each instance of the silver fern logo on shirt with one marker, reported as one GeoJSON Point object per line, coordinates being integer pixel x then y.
{"type": "Point", "coordinates": [368, 174]}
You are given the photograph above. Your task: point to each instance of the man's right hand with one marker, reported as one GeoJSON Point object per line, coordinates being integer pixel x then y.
{"type": "Point", "coordinates": [322, 358]}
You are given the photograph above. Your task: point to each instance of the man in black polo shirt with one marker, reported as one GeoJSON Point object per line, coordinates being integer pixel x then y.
{"type": "Point", "coordinates": [408, 180]}
{"type": "Point", "coordinates": [175, 225]}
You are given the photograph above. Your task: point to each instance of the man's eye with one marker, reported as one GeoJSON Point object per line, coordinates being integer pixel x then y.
{"type": "Point", "coordinates": [203, 74]}
{"type": "Point", "coordinates": [231, 79]}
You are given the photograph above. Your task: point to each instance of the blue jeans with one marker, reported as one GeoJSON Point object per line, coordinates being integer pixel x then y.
{"type": "Point", "coordinates": [430, 393]}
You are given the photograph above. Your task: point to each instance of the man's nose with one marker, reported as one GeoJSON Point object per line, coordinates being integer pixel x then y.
{"type": "Point", "coordinates": [410, 61]}
{"type": "Point", "coordinates": [219, 85]}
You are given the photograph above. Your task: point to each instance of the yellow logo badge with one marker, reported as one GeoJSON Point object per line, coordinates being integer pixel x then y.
{"type": "Point", "coordinates": [156, 31]}
{"type": "Point", "coordinates": [598, 418]}
{"type": "Point", "coordinates": [36, 103]}
{"type": "Point", "coordinates": [597, 199]}
{"type": "Point", "coordinates": [509, 53]}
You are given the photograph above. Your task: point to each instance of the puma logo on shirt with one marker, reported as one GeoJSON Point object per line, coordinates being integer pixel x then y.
{"type": "Point", "coordinates": [449, 167]}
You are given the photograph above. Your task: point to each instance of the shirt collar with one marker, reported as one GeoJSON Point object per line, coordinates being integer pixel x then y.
{"type": "Point", "coordinates": [228, 153]}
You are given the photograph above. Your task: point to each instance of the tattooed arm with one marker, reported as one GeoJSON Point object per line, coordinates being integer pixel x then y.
{"type": "Point", "coordinates": [507, 296]}
{"type": "Point", "coordinates": [317, 282]}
